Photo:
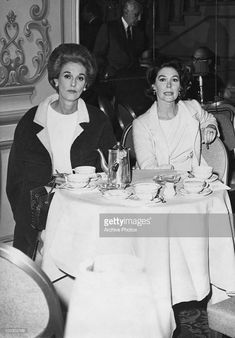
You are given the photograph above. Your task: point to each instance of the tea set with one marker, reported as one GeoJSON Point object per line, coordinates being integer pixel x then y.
{"type": "Point", "coordinates": [115, 182]}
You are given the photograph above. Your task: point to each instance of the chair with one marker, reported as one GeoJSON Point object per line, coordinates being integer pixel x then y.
{"type": "Point", "coordinates": [216, 156]}
{"type": "Point", "coordinates": [107, 107]}
{"type": "Point", "coordinates": [127, 141]}
{"type": "Point", "coordinates": [125, 114]}
{"type": "Point", "coordinates": [221, 107]}
{"type": "Point", "coordinates": [224, 114]}
{"type": "Point", "coordinates": [29, 305]}
{"type": "Point", "coordinates": [221, 318]}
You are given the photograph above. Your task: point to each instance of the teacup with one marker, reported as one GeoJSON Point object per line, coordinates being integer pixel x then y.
{"type": "Point", "coordinates": [194, 185]}
{"type": "Point", "coordinates": [202, 172]}
{"type": "Point", "coordinates": [77, 180]}
{"type": "Point", "coordinates": [85, 170]}
{"type": "Point", "coordinates": [146, 191]}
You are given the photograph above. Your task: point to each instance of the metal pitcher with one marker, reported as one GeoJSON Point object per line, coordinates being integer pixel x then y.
{"type": "Point", "coordinates": [118, 167]}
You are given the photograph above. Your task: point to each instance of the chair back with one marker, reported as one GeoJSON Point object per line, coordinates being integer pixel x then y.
{"type": "Point", "coordinates": [29, 305]}
{"type": "Point", "coordinates": [224, 114]}
{"type": "Point", "coordinates": [125, 114]}
{"type": "Point", "coordinates": [107, 106]}
{"type": "Point", "coordinates": [216, 156]}
{"type": "Point", "coordinates": [127, 141]}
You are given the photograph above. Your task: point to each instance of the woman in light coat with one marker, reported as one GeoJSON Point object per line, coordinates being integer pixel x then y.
{"type": "Point", "coordinates": [170, 133]}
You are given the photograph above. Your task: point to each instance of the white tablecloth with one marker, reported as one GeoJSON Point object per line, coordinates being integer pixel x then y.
{"type": "Point", "coordinates": [174, 269]}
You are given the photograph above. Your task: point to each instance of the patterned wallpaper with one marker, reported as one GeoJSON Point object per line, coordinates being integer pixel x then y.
{"type": "Point", "coordinates": [25, 42]}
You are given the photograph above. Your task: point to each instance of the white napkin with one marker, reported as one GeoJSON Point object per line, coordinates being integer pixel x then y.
{"type": "Point", "coordinates": [218, 185]}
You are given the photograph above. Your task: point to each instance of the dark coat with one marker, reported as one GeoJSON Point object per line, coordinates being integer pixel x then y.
{"type": "Point", "coordinates": [30, 165]}
{"type": "Point", "coordinates": [112, 50]}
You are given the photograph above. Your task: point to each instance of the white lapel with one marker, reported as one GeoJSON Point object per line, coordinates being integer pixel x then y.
{"type": "Point", "coordinates": [82, 116]}
{"type": "Point", "coordinates": [41, 119]}
{"type": "Point", "coordinates": [159, 139]}
{"type": "Point", "coordinates": [158, 136]}
{"type": "Point", "coordinates": [192, 124]}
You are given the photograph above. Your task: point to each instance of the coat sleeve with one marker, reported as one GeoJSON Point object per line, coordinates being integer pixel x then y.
{"type": "Point", "coordinates": [144, 147]}
{"type": "Point", "coordinates": [15, 170]}
{"type": "Point", "coordinates": [204, 117]}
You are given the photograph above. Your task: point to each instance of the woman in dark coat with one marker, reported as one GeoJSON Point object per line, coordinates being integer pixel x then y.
{"type": "Point", "coordinates": [56, 136]}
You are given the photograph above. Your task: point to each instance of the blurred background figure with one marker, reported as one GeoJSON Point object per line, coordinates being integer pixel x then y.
{"type": "Point", "coordinates": [119, 47]}
{"type": "Point", "coordinates": [206, 86]}
{"type": "Point", "coordinates": [120, 43]}
{"type": "Point", "coordinates": [90, 22]}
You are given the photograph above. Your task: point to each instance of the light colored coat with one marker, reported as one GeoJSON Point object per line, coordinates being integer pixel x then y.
{"type": "Point", "coordinates": [150, 141]}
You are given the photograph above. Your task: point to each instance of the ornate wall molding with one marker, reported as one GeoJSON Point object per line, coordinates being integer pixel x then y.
{"type": "Point", "coordinates": [11, 110]}
{"type": "Point", "coordinates": [14, 66]}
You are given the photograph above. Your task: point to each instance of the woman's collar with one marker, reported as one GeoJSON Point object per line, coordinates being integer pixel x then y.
{"type": "Point", "coordinates": [41, 116]}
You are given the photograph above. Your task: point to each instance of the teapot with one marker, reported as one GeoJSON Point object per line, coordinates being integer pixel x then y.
{"type": "Point", "coordinates": [118, 167]}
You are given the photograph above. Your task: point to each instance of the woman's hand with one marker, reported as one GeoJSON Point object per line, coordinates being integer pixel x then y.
{"type": "Point", "coordinates": [60, 178]}
{"type": "Point", "coordinates": [210, 134]}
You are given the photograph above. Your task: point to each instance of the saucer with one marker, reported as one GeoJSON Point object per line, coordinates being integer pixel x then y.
{"type": "Point", "coordinates": [76, 188]}
{"type": "Point", "coordinates": [204, 192]}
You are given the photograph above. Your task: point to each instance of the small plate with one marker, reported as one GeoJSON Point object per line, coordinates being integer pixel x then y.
{"type": "Point", "coordinates": [213, 178]}
{"type": "Point", "coordinates": [204, 192]}
{"type": "Point", "coordinates": [76, 188]}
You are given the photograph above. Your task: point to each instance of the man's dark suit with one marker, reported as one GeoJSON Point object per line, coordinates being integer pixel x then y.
{"type": "Point", "coordinates": [112, 50]}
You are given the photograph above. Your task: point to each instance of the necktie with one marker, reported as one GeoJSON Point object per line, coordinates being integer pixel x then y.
{"type": "Point", "coordinates": [129, 36]}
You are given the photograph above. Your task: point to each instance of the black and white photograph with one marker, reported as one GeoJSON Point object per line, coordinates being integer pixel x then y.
{"type": "Point", "coordinates": [117, 168]}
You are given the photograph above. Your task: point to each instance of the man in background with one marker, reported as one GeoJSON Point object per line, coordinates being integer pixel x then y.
{"type": "Point", "coordinates": [119, 47]}
{"type": "Point", "coordinates": [120, 43]}
{"type": "Point", "coordinates": [206, 86]}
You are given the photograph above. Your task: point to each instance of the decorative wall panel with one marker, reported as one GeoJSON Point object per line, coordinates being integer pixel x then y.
{"type": "Point", "coordinates": [18, 36]}
{"type": "Point", "coordinates": [29, 30]}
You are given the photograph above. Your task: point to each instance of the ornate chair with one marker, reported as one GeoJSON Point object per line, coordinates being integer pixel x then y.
{"type": "Point", "coordinates": [107, 106]}
{"type": "Point", "coordinates": [125, 114]}
{"type": "Point", "coordinates": [224, 113]}
{"type": "Point", "coordinates": [29, 305]}
{"type": "Point", "coordinates": [216, 156]}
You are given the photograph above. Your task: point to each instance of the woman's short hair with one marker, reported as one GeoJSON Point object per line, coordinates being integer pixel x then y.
{"type": "Point", "coordinates": [184, 72]}
{"type": "Point", "coordinates": [71, 52]}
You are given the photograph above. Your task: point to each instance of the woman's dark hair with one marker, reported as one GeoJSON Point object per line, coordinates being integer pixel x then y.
{"type": "Point", "coordinates": [183, 71]}
{"type": "Point", "coordinates": [71, 52]}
